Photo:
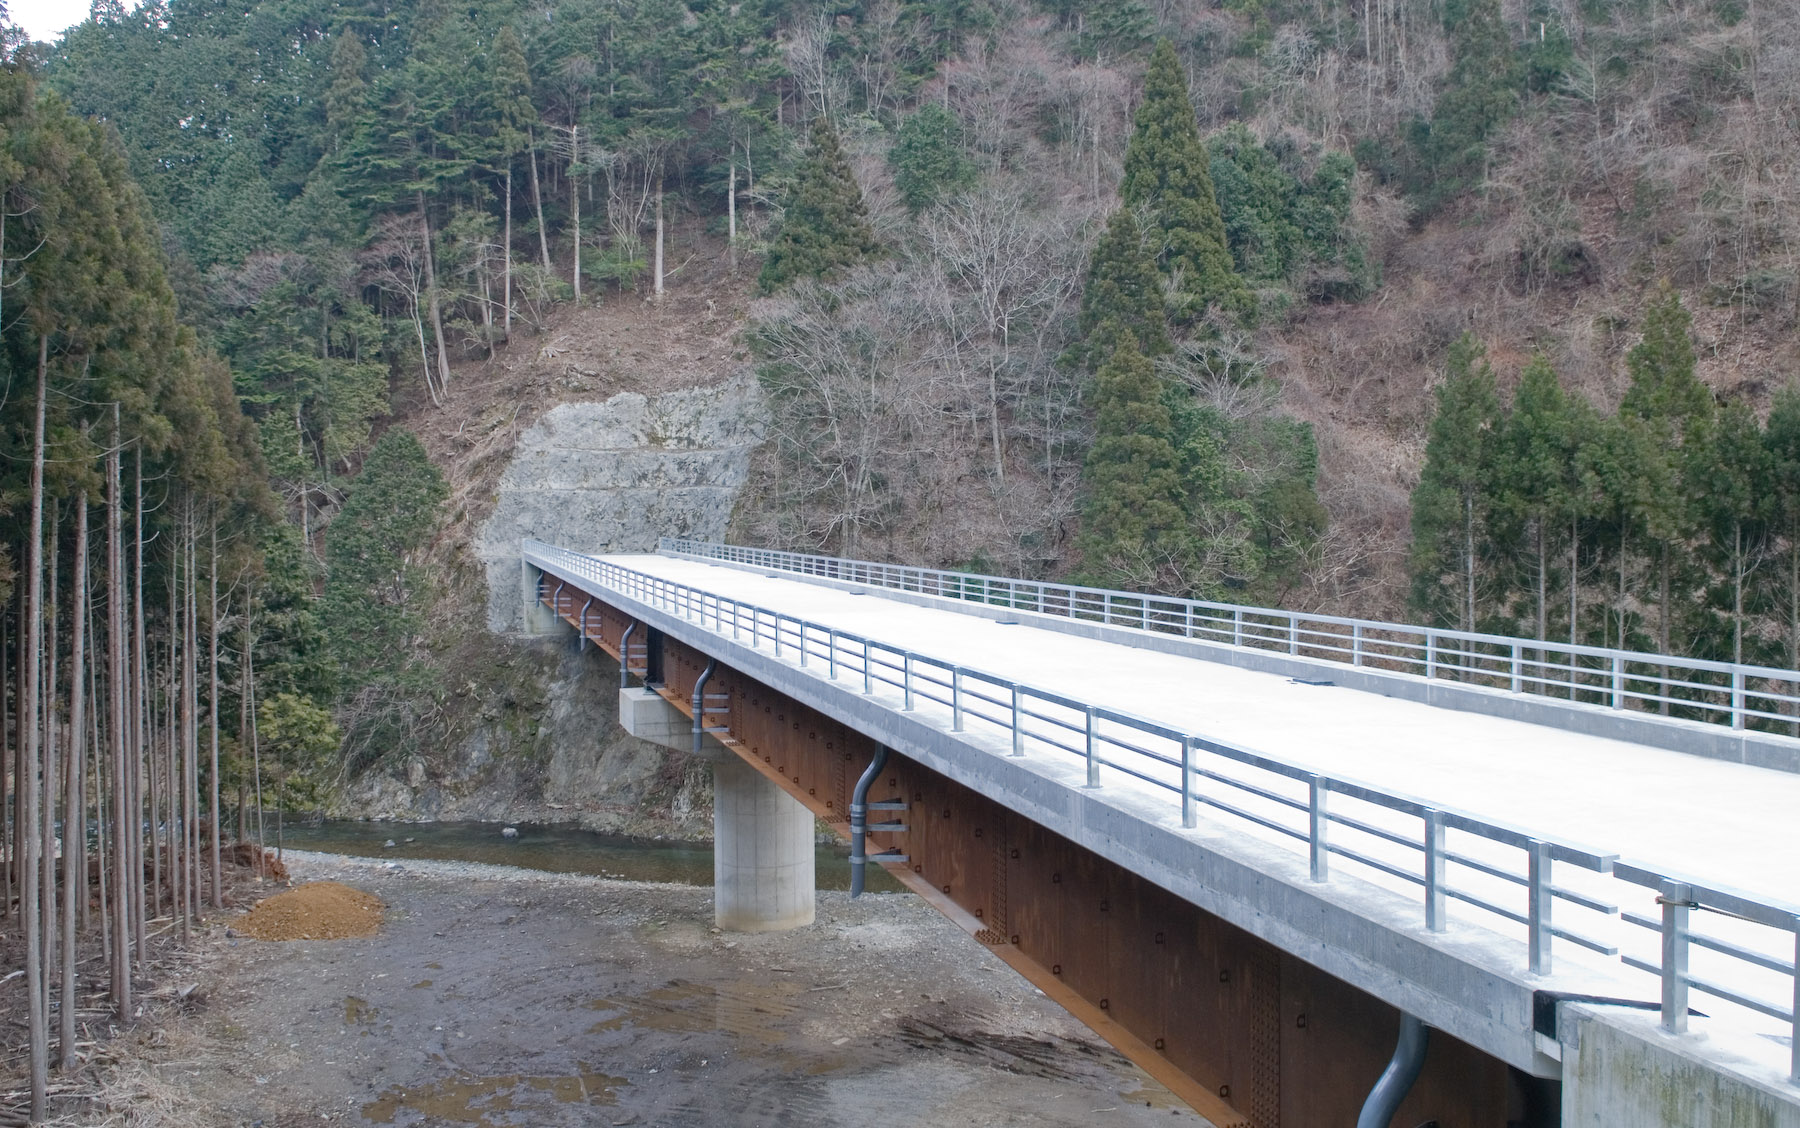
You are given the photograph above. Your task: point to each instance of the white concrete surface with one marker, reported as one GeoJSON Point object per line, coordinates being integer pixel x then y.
{"type": "Point", "coordinates": [1727, 823]}
{"type": "Point", "coordinates": [763, 875]}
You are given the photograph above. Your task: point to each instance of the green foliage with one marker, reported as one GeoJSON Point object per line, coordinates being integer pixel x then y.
{"type": "Point", "coordinates": [1121, 296]}
{"type": "Point", "coordinates": [1284, 226]}
{"type": "Point", "coordinates": [1451, 505]}
{"type": "Point", "coordinates": [373, 584]}
{"type": "Point", "coordinates": [928, 159]}
{"type": "Point", "coordinates": [1480, 95]}
{"type": "Point", "coordinates": [1168, 181]}
{"type": "Point", "coordinates": [825, 227]}
{"type": "Point", "coordinates": [1132, 520]}
{"type": "Point", "coordinates": [1664, 390]}
{"type": "Point", "coordinates": [297, 740]}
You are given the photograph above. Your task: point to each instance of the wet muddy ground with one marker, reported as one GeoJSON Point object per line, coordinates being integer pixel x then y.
{"type": "Point", "coordinates": [499, 998]}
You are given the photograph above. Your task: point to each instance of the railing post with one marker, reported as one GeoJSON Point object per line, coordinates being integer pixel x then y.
{"type": "Point", "coordinates": [956, 699]}
{"type": "Point", "coordinates": [1293, 634]}
{"type": "Point", "coordinates": [1430, 654]}
{"type": "Point", "coordinates": [801, 624]}
{"type": "Point", "coordinates": [737, 610]}
{"type": "Point", "coordinates": [831, 652]}
{"type": "Point", "coordinates": [1190, 619]}
{"type": "Point", "coordinates": [1538, 915]}
{"type": "Point", "coordinates": [906, 679]}
{"type": "Point", "coordinates": [1517, 669]}
{"type": "Point", "coordinates": [1237, 626]}
{"type": "Point", "coordinates": [1093, 746]}
{"type": "Point", "coordinates": [1318, 796]}
{"type": "Point", "coordinates": [1677, 902]}
{"type": "Point", "coordinates": [1356, 641]}
{"type": "Point", "coordinates": [868, 667]}
{"type": "Point", "coordinates": [1794, 1041]}
{"type": "Point", "coordinates": [1434, 870]}
{"type": "Point", "coordinates": [1737, 699]}
{"type": "Point", "coordinates": [1106, 608]}
{"type": "Point", "coordinates": [1618, 688]}
{"type": "Point", "coordinates": [778, 635]}
{"type": "Point", "coordinates": [1189, 816]}
{"type": "Point", "coordinates": [1018, 720]}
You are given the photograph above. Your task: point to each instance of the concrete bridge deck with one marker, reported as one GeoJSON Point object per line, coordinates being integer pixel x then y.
{"type": "Point", "coordinates": [1532, 819]}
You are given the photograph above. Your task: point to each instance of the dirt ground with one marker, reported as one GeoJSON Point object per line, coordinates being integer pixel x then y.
{"type": "Point", "coordinates": [498, 998]}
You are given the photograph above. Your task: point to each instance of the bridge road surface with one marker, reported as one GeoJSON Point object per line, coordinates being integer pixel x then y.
{"type": "Point", "coordinates": [1713, 821]}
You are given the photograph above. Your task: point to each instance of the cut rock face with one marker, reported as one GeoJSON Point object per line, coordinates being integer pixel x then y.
{"type": "Point", "coordinates": [616, 475]}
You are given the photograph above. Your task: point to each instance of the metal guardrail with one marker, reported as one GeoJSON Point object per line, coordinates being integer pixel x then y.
{"type": "Point", "coordinates": [1728, 694]}
{"type": "Point", "coordinates": [1436, 853]}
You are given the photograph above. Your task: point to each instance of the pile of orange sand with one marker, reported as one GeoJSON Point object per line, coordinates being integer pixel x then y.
{"type": "Point", "coordinates": [319, 910]}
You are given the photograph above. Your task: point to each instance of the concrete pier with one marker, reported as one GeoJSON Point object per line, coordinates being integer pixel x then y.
{"type": "Point", "coordinates": [762, 852]}
{"type": "Point", "coordinates": [762, 836]}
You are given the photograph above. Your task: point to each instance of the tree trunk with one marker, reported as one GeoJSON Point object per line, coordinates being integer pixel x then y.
{"type": "Point", "coordinates": [140, 728]}
{"type": "Point", "coordinates": [657, 284]}
{"type": "Point", "coordinates": [731, 215]}
{"type": "Point", "coordinates": [1469, 561]}
{"type": "Point", "coordinates": [117, 684]}
{"type": "Point", "coordinates": [47, 855]}
{"type": "Point", "coordinates": [506, 283]}
{"type": "Point", "coordinates": [575, 204]}
{"type": "Point", "coordinates": [37, 1021]}
{"type": "Point", "coordinates": [431, 288]}
{"type": "Point", "coordinates": [74, 793]}
{"type": "Point", "coordinates": [212, 709]}
{"type": "Point", "coordinates": [537, 200]}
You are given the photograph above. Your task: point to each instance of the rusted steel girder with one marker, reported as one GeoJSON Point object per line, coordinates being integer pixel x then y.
{"type": "Point", "coordinates": [1245, 1033]}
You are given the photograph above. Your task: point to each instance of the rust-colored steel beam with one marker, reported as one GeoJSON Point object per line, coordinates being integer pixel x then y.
{"type": "Point", "coordinates": [1245, 1033]}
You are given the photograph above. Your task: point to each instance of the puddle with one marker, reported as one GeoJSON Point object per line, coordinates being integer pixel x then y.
{"type": "Point", "coordinates": [475, 1100]}
{"type": "Point", "coordinates": [747, 1010]}
{"type": "Point", "coordinates": [357, 1011]}
{"type": "Point", "coordinates": [557, 848]}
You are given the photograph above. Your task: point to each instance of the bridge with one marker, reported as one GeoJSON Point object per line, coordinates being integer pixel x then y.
{"type": "Point", "coordinates": [1304, 870]}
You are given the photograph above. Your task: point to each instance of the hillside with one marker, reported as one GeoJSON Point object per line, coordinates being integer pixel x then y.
{"type": "Point", "coordinates": [889, 222]}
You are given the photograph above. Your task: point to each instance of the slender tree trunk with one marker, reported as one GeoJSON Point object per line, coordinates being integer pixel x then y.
{"type": "Point", "coordinates": [1574, 591]}
{"type": "Point", "coordinates": [1469, 561]}
{"type": "Point", "coordinates": [1543, 583]}
{"type": "Point", "coordinates": [190, 736]}
{"type": "Point", "coordinates": [212, 709]}
{"type": "Point", "coordinates": [537, 201]}
{"type": "Point", "coordinates": [118, 685]}
{"type": "Point", "coordinates": [575, 205]}
{"type": "Point", "coordinates": [658, 283]}
{"type": "Point", "coordinates": [731, 214]}
{"type": "Point", "coordinates": [48, 854]}
{"type": "Point", "coordinates": [37, 1019]}
{"type": "Point", "coordinates": [9, 769]}
{"type": "Point", "coordinates": [431, 288]}
{"type": "Point", "coordinates": [140, 728]}
{"type": "Point", "coordinates": [74, 793]}
{"type": "Point", "coordinates": [506, 285]}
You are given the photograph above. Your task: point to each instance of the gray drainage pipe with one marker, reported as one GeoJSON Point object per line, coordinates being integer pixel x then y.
{"type": "Point", "coordinates": [625, 656]}
{"type": "Point", "coordinates": [1397, 1080]}
{"type": "Point", "coordinates": [859, 820]}
{"type": "Point", "coordinates": [700, 704]}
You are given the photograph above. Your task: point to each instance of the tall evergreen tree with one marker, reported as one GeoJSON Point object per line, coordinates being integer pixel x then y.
{"type": "Point", "coordinates": [1782, 437]}
{"type": "Point", "coordinates": [1121, 296]}
{"type": "Point", "coordinates": [1131, 532]}
{"type": "Point", "coordinates": [825, 227]}
{"type": "Point", "coordinates": [1167, 178]}
{"type": "Point", "coordinates": [1536, 464]}
{"type": "Point", "coordinates": [1731, 474]}
{"type": "Point", "coordinates": [1675, 408]}
{"type": "Point", "coordinates": [1451, 504]}
{"type": "Point", "coordinates": [927, 157]}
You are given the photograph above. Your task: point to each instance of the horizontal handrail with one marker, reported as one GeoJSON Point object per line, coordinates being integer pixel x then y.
{"type": "Point", "coordinates": [1406, 840]}
{"type": "Point", "coordinates": [1729, 694]}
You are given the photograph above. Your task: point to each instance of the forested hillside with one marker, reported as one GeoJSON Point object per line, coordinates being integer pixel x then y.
{"type": "Point", "coordinates": [1474, 310]}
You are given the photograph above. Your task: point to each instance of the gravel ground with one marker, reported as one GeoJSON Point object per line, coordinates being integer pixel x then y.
{"type": "Point", "coordinates": [500, 997]}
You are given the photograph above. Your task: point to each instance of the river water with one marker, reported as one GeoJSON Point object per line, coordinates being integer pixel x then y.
{"type": "Point", "coordinates": [556, 847]}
